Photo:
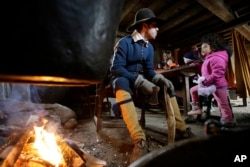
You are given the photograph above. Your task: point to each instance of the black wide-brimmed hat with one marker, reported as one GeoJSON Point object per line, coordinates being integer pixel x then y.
{"type": "Point", "coordinates": [143, 15]}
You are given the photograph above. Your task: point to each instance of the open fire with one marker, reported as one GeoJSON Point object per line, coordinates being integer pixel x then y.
{"type": "Point", "coordinates": [41, 148]}
{"type": "Point", "coordinates": [47, 148]}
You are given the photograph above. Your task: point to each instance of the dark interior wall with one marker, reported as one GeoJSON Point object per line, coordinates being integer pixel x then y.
{"type": "Point", "coordinates": [79, 99]}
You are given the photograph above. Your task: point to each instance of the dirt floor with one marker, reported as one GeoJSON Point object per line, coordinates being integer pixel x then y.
{"type": "Point", "coordinates": [114, 145]}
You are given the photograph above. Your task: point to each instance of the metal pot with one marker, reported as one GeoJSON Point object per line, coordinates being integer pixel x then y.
{"type": "Point", "coordinates": [68, 39]}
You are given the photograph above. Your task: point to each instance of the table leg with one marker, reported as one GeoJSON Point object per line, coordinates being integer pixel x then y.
{"type": "Point", "coordinates": [187, 95]}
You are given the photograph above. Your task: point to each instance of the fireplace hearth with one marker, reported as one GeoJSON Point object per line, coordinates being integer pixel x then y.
{"type": "Point", "coordinates": [24, 152]}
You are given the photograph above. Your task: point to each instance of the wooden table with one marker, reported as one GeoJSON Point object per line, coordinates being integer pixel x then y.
{"type": "Point", "coordinates": [185, 72]}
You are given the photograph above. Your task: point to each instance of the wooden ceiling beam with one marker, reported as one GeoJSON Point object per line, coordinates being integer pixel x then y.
{"type": "Point", "coordinates": [128, 8]}
{"type": "Point", "coordinates": [219, 8]}
{"type": "Point", "coordinates": [219, 28]}
{"type": "Point", "coordinates": [181, 18]}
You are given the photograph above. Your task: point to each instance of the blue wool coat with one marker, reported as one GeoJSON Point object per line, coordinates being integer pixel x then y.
{"type": "Point", "coordinates": [129, 60]}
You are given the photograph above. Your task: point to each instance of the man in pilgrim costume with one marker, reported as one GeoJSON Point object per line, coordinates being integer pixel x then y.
{"type": "Point", "coordinates": [132, 67]}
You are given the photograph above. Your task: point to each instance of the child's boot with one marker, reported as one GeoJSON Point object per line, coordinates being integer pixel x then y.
{"type": "Point", "coordinates": [196, 110]}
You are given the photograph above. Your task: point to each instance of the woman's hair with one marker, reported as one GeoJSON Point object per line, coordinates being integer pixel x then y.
{"type": "Point", "coordinates": [216, 43]}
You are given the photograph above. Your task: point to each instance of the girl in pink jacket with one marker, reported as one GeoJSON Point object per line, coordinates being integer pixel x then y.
{"type": "Point", "coordinates": [213, 71]}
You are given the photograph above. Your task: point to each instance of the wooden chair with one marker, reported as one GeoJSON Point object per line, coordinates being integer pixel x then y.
{"type": "Point", "coordinates": [105, 91]}
{"type": "Point", "coordinates": [103, 94]}
{"type": "Point", "coordinates": [165, 104]}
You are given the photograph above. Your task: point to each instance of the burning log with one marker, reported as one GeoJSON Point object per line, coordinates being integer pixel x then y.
{"type": "Point", "coordinates": [91, 161]}
{"type": "Point", "coordinates": [25, 154]}
{"type": "Point", "coordinates": [19, 148]}
{"type": "Point", "coordinates": [16, 150]}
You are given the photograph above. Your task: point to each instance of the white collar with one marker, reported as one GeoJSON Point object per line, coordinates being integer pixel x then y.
{"type": "Point", "coordinates": [138, 37]}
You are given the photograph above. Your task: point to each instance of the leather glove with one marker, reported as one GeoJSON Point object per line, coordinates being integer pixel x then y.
{"type": "Point", "coordinates": [144, 84]}
{"type": "Point", "coordinates": [170, 86]}
{"type": "Point", "coordinates": [138, 81]}
{"type": "Point", "coordinates": [160, 80]}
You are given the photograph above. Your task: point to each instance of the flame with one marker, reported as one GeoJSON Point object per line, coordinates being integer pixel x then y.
{"type": "Point", "coordinates": [45, 143]}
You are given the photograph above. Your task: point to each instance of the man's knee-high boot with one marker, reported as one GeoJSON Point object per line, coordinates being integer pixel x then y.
{"type": "Point", "coordinates": [129, 115]}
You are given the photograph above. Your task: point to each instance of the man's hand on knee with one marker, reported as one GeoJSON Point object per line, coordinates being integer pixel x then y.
{"type": "Point", "coordinates": [160, 80]}
{"type": "Point", "coordinates": [145, 85]}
